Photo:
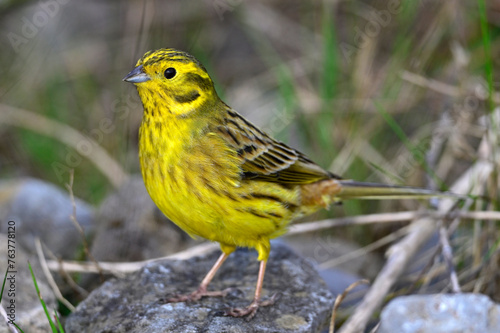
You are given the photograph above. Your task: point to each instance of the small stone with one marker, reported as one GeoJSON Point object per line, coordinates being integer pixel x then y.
{"type": "Point", "coordinates": [133, 304]}
{"type": "Point", "coordinates": [441, 313]}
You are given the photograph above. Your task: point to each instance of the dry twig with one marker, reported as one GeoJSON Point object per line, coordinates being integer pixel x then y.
{"type": "Point", "coordinates": [119, 269]}
{"type": "Point", "coordinates": [448, 258]}
{"type": "Point", "coordinates": [472, 181]}
{"type": "Point", "coordinates": [50, 279]}
{"type": "Point", "coordinates": [399, 255]}
{"type": "Point", "coordinates": [127, 267]}
{"type": "Point", "coordinates": [11, 327]}
{"type": "Point", "coordinates": [437, 86]}
{"type": "Point", "coordinates": [366, 249]}
{"type": "Point", "coordinates": [353, 220]}
{"type": "Point", "coordinates": [339, 300]}
{"type": "Point", "coordinates": [89, 255]}
{"type": "Point", "coordinates": [67, 278]}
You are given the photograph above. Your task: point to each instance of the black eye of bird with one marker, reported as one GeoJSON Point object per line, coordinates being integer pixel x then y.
{"type": "Point", "coordinates": [170, 72]}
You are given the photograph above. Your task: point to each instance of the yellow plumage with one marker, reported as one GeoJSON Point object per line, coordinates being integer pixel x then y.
{"type": "Point", "coordinates": [188, 149]}
{"type": "Point", "coordinates": [219, 177]}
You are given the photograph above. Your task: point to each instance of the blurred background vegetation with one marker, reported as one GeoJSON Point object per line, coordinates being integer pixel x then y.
{"type": "Point", "coordinates": [387, 91]}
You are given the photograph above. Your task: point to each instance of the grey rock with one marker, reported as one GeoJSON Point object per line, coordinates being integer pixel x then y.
{"type": "Point", "coordinates": [29, 314]}
{"type": "Point", "coordinates": [131, 228]}
{"type": "Point", "coordinates": [133, 304]}
{"type": "Point", "coordinates": [450, 313]}
{"type": "Point", "coordinates": [43, 210]}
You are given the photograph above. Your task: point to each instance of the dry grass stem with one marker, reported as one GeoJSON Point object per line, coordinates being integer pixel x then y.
{"type": "Point", "coordinates": [339, 300]}
{"type": "Point", "coordinates": [366, 249]}
{"type": "Point", "coordinates": [373, 157]}
{"type": "Point", "coordinates": [89, 255]}
{"type": "Point", "coordinates": [446, 248]}
{"type": "Point", "coordinates": [448, 257]}
{"type": "Point", "coordinates": [50, 278]}
{"type": "Point", "coordinates": [429, 270]}
{"type": "Point", "coordinates": [67, 278]}
{"type": "Point", "coordinates": [405, 216]}
{"type": "Point", "coordinates": [353, 220]}
{"type": "Point", "coordinates": [437, 86]}
{"type": "Point", "coordinates": [344, 159]}
{"type": "Point", "coordinates": [398, 257]}
{"type": "Point", "coordinates": [35, 122]}
{"type": "Point", "coordinates": [11, 327]}
{"type": "Point", "coordinates": [120, 268]}
{"type": "Point", "coordinates": [375, 328]}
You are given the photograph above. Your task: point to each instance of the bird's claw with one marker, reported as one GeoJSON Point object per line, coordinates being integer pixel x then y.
{"type": "Point", "coordinates": [196, 295]}
{"type": "Point", "coordinates": [250, 311]}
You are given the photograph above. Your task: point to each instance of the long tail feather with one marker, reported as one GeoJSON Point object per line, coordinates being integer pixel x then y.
{"type": "Point", "coordinates": [360, 190]}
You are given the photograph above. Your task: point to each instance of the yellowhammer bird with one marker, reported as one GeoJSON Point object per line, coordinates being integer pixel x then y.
{"type": "Point", "coordinates": [219, 177]}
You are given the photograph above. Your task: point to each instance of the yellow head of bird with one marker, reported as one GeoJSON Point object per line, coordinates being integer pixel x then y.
{"type": "Point", "coordinates": [175, 79]}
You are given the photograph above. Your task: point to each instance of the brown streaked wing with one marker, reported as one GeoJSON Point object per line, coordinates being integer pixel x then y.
{"type": "Point", "coordinates": [264, 158]}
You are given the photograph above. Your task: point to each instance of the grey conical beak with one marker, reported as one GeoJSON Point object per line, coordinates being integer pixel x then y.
{"type": "Point", "coordinates": [137, 75]}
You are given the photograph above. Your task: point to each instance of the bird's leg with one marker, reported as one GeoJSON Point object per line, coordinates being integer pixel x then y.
{"type": "Point", "coordinates": [251, 310]}
{"type": "Point", "coordinates": [202, 289]}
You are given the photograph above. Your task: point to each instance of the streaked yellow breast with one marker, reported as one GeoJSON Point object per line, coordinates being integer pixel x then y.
{"type": "Point", "coordinates": [195, 180]}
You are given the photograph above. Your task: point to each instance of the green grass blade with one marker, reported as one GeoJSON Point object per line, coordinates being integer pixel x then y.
{"type": "Point", "coordinates": [329, 81]}
{"type": "Point", "coordinates": [330, 68]}
{"type": "Point", "coordinates": [396, 179]}
{"type": "Point", "coordinates": [416, 153]}
{"type": "Point", "coordinates": [59, 325]}
{"type": "Point", "coordinates": [1, 296]}
{"type": "Point", "coordinates": [487, 52]}
{"type": "Point", "coordinates": [3, 285]}
{"type": "Point", "coordinates": [52, 326]}
{"type": "Point", "coordinates": [19, 328]}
